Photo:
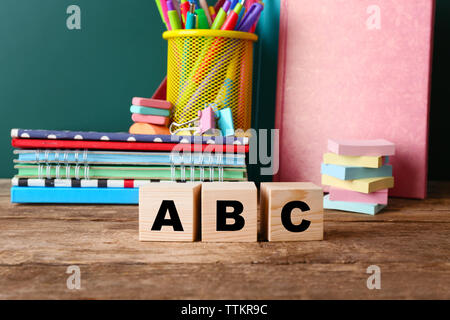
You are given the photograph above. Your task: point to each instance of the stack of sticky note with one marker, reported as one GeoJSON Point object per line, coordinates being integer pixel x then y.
{"type": "Point", "coordinates": [150, 116]}
{"type": "Point", "coordinates": [358, 174]}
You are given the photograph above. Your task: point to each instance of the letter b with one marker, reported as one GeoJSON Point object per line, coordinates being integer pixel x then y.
{"type": "Point", "coordinates": [223, 215]}
{"type": "Point", "coordinates": [229, 212]}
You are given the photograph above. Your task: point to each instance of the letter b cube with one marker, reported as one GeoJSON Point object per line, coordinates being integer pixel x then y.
{"type": "Point", "coordinates": [229, 211]}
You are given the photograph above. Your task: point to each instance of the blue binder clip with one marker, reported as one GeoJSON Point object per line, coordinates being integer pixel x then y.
{"type": "Point", "coordinates": [225, 121]}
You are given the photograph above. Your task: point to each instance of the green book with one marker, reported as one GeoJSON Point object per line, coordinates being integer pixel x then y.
{"type": "Point", "coordinates": [130, 172]}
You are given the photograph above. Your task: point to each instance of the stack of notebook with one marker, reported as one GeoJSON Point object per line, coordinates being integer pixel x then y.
{"type": "Point", "coordinates": [358, 174]}
{"type": "Point", "coordinates": [99, 167]}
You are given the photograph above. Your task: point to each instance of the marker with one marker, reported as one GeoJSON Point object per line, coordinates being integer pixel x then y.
{"type": "Point", "coordinates": [232, 6]}
{"type": "Point", "coordinates": [202, 20]}
{"type": "Point", "coordinates": [163, 5]}
{"type": "Point", "coordinates": [221, 16]}
{"type": "Point", "coordinates": [191, 18]}
{"type": "Point", "coordinates": [241, 15]}
{"type": "Point", "coordinates": [233, 17]}
{"type": "Point", "coordinates": [218, 5]}
{"type": "Point", "coordinates": [251, 17]}
{"type": "Point", "coordinates": [184, 8]}
{"type": "Point", "coordinates": [212, 13]}
{"type": "Point", "coordinates": [158, 4]}
{"type": "Point", "coordinates": [174, 19]}
{"type": "Point", "coordinates": [204, 6]}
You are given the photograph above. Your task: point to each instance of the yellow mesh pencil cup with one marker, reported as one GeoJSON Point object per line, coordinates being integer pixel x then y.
{"type": "Point", "coordinates": [210, 66]}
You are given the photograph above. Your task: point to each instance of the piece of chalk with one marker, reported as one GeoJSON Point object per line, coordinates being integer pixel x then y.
{"type": "Point", "coordinates": [367, 185]}
{"type": "Point", "coordinates": [379, 147]}
{"type": "Point", "coordinates": [147, 128]}
{"type": "Point", "coordinates": [150, 111]}
{"type": "Point", "coordinates": [352, 173]}
{"type": "Point", "coordinates": [366, 208]}
{"type": "Point", "coordinates": [379, 197]}
{"type": "Point", "coordinates": [152, 103]}
{"type": "Point", "coordinates": [158, 120]}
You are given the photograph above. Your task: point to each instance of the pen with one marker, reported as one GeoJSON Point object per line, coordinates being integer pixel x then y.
{"type": "Point", "coordinates": [191, 18]}
{"type": "Point", "coordinates": [212, 13]}
{"type": "Point", "coordinates": [158, 4]}
{"type": "Point", "coordinates": [250, 17]}
{"type": "Point", "coordinates": [184, 8]}
{"type": "Point", "coordinates": [202, 21]}
{"type": "Point", "coordinates": [241, 15]}
{"type": "Point", "coordinates": [174, 19]}
{"type": "Point", "coordinates": [218, 5]}
{"type": "Point", "coordinates": [232, 19]}
{"type": "Point", "coordinates": [221, 16]}
{"type": "Point", "coordinates": [204, 6]}
{"type": "Point", "coordinates": [233, 4]}
{"type": "Point", "coordinates": [163, 5]}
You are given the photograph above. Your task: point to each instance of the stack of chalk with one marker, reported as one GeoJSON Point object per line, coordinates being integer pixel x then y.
{"type": "Point", "coordinates": [150, 116]}
{"type": "Point", "coordinates": [358, 174]}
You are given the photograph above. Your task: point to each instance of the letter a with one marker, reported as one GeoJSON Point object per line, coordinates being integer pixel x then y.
{"type": "Point", "coordinates": [74, 20]}
{"type": "Point", "coordinates": [160, 220]}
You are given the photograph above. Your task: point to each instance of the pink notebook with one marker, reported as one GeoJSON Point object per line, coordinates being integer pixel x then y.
{"type": "Point", "coordinates": [355, 70]}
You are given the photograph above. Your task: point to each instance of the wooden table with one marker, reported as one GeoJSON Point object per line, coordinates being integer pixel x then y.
{"type": "Point", "coordinates": [410, 242]}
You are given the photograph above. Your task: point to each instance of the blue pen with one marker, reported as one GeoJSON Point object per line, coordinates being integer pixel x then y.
{"type": "Point", "coordinates": [241, 15]}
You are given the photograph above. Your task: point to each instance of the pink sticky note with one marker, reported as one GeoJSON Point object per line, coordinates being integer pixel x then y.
{"type": "Point", "coordinates": [379, 147]}
{"type": "Point", "coordinates": [151, 103]}
{"type": "Point", "coordinates": [158, 120]}
{"type": "Point", "coordinates": [380, 197]}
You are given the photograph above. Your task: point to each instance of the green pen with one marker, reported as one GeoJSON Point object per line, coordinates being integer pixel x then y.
{"type": "Point", "coordinates": [221, 16]}
{"type": "Point", "coordinates": [202, 20]}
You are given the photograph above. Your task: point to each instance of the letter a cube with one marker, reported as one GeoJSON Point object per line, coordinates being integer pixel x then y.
{"type": "Point", "coordinates": [291, 211]}
{"type": "Point", "coordinates": [169, 211]}
{"type": "Point", "coordinates": [229, 212]}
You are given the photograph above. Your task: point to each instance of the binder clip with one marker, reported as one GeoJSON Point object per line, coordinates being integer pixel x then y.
{"type": "Point", "coordinates": [225, 121]}
{"type": "Point", "coordinates": [204, 124]}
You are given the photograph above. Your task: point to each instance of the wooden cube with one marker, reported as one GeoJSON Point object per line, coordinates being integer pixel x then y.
{"type": "Point", "coordinates": [291, 211]}
{"type": "Point", "coordinates": [229, 212]}
{"type": "Point", "coordinates": [169, 212]}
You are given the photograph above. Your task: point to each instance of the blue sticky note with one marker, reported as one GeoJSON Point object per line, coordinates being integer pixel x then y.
{"type": "Point", "coordinates": [367, 208]}
{"type": "Point", "coordinates": [352, 173]}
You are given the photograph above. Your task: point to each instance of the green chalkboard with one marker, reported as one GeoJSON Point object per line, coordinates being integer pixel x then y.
{"type": "Point", "coordinates": [55, 78]}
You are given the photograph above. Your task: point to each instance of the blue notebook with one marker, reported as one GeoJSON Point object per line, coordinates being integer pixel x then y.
{"type": "Point", "coordinates": [75, 195]}
{"type": "Point", "coordinates": [130, 158]}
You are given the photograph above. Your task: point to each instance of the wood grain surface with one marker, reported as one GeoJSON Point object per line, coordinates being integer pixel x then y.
{"type": "Point", "coordinates": [409, 242]}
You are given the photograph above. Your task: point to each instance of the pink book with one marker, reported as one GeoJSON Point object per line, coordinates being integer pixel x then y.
{"type": "Point", "coordinates": [354, 70]}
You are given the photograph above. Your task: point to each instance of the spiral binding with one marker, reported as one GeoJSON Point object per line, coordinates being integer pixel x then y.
{"type": "Point", "coordinates": [206, 161]}
{"type": "Point", "coordinates": [45, 166]}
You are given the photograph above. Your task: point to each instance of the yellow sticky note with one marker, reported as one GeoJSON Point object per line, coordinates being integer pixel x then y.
{"type": "Point", "coordinates": [367, 185]}
{"type": "Point", "coordinates": [353, 161]}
